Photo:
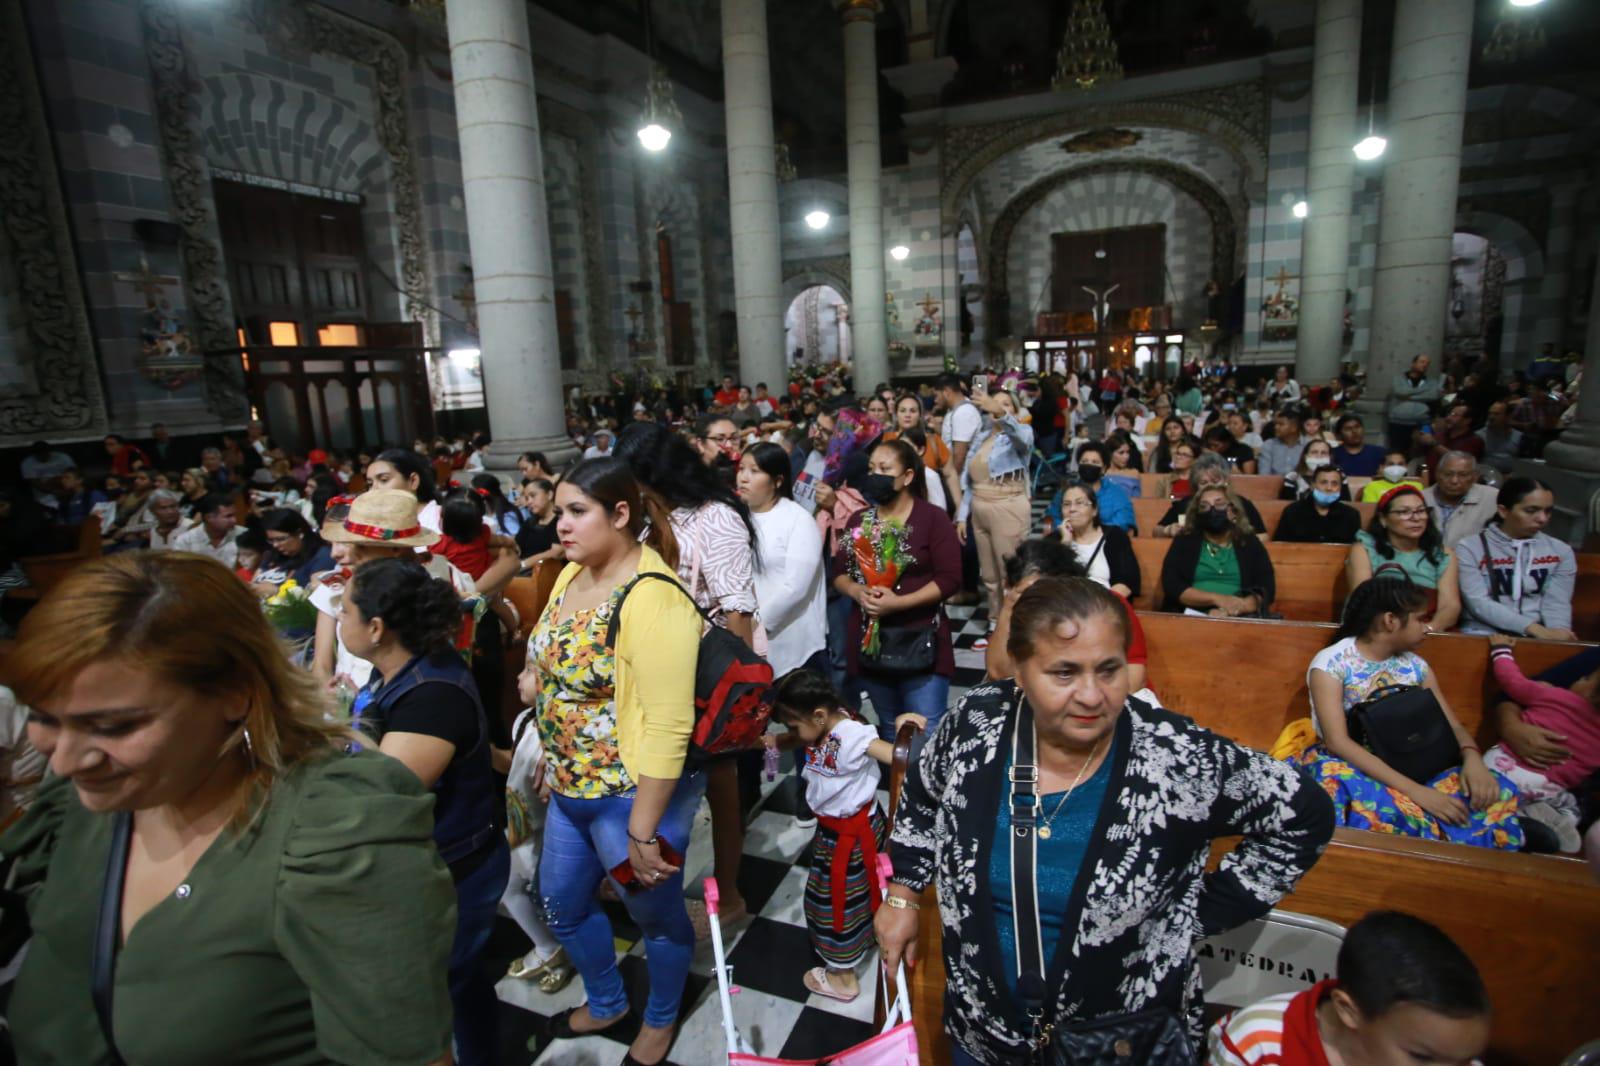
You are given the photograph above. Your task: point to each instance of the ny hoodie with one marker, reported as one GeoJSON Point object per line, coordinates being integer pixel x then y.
{"type": "Point", "coordinates": [1522, 583]}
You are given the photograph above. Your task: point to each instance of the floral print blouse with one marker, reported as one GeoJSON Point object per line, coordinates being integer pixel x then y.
{"type": "Point", "coordinates": [577, 710]}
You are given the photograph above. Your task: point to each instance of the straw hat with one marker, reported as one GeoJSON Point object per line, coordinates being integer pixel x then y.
{"type": "Point", "coordinates": [379, 516]}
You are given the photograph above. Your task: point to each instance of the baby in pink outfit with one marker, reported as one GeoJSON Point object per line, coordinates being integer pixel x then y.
{"type": "Point", "coordinates": [1546, 794]}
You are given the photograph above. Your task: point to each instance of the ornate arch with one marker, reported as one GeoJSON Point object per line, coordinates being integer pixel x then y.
{"type": "Point", "coordinates": [802, 275]}
{"type": "Point", "coordinates": [270, 148]}
{"type": "Point", "coordinates": [1224, 227]}
{"type": "Point", "coordinates": [1234, 116]}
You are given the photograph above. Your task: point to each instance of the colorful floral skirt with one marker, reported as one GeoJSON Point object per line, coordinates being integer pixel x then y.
{"type": "Point", "coordinates": [843, 946]}
{"type": "Point", "coordinates": [1362, 803]}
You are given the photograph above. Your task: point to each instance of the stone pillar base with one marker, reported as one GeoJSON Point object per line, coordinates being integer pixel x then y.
{"type": "Point", "coordinates": [1573, 490]}
{"type": "Point", "coordinates": [503, 453]}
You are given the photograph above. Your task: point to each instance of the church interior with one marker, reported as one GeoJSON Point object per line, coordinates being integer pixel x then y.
{"type": "Point", "coordinates": [360, 224]}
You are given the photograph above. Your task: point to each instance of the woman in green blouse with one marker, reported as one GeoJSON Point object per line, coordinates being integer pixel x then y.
{"type": "Point", "coordinates": [280, 902]}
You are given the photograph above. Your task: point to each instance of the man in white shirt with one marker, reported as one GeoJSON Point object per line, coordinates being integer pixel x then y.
{"type": "Point", "coordinates": [962, 419]}
{"type": "Point", "coordinates": [764, 402]}
{"type": "Point", "coordinates": [1461, 507]}
{"type": "Point", "coordinates": [217, 533]}
{"type": "Point", "coordinates": [601, 448]}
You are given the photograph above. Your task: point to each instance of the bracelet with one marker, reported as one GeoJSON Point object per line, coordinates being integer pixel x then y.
{"type": "Point", "coordinates": [644, 843]}
{"type": "Point", "coordinates": [1472, 747]}
{"type": "Point", "coordinates": [900, 904]}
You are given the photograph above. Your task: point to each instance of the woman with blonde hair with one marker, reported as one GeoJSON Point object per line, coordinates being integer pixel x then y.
{"type": "Point", "coordinates": [210, 876]}
{"type": "Point", "coordinates": [1217, 565]}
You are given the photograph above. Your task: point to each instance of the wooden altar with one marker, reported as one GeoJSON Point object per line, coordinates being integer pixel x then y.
{"type": "Point", "coordinates": [1142, 338]}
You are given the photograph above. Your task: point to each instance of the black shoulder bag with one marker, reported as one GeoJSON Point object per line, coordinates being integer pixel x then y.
{"type": "Point", "coordinates": [107, 927]}
{"type": "Point", "coordinates": [1405, 727]}
{"type": "Point", "coordinates": [1153, 1037]}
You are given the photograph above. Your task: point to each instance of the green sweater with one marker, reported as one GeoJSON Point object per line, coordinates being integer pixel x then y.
{"type": "Point", "coordinates": [320, 935]}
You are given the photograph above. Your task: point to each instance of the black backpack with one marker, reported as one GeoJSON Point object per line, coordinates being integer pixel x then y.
{"type": "Point", "coordinates": [732, 685]}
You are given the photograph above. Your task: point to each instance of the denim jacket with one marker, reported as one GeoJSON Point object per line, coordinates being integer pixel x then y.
{"type": "Point", "coordinates": [1009, 455]}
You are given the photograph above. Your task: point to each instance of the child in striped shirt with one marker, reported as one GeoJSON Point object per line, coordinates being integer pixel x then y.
{"type": "Point", "coordinates": [1405, 993]}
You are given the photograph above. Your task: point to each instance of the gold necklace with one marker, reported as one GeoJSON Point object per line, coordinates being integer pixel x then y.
{"type": "Point", "coordinates": [1044, 830]}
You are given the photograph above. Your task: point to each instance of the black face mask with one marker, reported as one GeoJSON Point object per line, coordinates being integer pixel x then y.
{"type": "Point", "coordinates": [879, 488]}
{"type": "Point", "coordinates": [1214, 521]}
{"type": "Point", "coordinates": [1089, 473]}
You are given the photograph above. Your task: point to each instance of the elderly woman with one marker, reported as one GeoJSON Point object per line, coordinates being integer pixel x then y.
{"type": "Point", "coordinates": [1216, 565]}
{"type": "Point", "coordinates": [1107, 807]}
{"type": "Point", "coordinates": [1209, 471]}
{"type": "Point", "coordinates": [994, 490]}
{"type": "Point", "coordinates": [251, 865]}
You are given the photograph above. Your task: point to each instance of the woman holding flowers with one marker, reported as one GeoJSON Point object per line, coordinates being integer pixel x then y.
{"type": "Point", "coordinates": [898, 560]}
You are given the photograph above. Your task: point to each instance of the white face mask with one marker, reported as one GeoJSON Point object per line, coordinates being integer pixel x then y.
{"type": "Point", "coordinates": [1394, 473]}
{"type": "Point", "coordinates": [1317, 462]}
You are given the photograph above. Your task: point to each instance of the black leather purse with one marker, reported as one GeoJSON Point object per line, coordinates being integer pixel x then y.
{"type": "Point", "coordinates": [1153, 1037]}
{"type": "Point", "coordinates": [108, 930]}
{"type": "Point", "coordinates": [1405, 727]}
{"type": "Point", "coordinates": [905, 651]}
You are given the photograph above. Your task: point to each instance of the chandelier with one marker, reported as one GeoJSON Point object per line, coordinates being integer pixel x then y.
{"type": "Point", "coordinates": [783, 165]}
{"type": "Point", "coordinates": [1088, 54]}
{"type": "Point", "coordinates": [661, 115]}
{"type": "Point", "coordinates": [1516, 38]}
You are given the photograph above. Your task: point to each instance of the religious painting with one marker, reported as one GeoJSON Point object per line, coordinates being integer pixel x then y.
{"type": "Point", "coordinates": [891, 311]}
{"type": "Point", "coordinates": [1280, 311]}
{"type": "Point", "coordinates": [929, 327]}
{"type": "Point", "coordinates": [166, 354]}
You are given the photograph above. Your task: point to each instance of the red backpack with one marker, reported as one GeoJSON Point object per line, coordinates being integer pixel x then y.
{"type": "Point", "coordinates": [731, 685]}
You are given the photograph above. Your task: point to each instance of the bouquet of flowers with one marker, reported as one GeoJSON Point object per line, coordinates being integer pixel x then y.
{"type": "Point", "coordinates": [290, 609]}
{"type": "Point", "coordinates": [878, 556]}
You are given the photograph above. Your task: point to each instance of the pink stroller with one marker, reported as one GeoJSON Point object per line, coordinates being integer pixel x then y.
{"type": "Point", "coordinates": [896, 1045]}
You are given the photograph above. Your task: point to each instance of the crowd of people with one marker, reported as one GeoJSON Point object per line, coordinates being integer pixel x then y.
{"type": "Point", "coordinates": [347, 769]}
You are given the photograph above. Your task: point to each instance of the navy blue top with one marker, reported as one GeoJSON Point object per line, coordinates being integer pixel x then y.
{"type": "Point", "coordinates": [1060, 859]}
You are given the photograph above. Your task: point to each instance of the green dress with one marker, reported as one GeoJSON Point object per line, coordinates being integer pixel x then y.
{"type": "Point", "coordinates": [319, 935]}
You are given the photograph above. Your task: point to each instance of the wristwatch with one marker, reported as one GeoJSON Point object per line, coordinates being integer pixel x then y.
{"type": "Point", "coordinates": [901, 904]}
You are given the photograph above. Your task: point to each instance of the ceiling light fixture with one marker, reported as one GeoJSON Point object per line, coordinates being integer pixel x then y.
{"type": "Point", "coordinates": [1300, 209]}
{"type": "Point", "coordinates": [1088, 54]}
{"type": "Point", "coordinates": [661, 115]}
{"type": "Point", "coordinates": [1526, 3]}
{"type": "Point", "coordinates": [1371, 146]}
{"type": "Point", "coordinates": [899, 253]}
{"type": "Point", "coordinates": [818, 219]}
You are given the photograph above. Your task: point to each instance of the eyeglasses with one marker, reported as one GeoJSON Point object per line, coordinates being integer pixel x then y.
{"type": "Point", "coordinates": [721, 438]}
{"type": "Point", "coordinates": [1410, 512]}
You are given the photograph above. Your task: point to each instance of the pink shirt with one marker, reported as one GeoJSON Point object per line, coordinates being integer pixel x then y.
{"type": "Point", "coordinates": [1559, 710]}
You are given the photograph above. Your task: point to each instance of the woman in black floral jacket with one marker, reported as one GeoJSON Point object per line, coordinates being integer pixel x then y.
{"type": "Point", "coordinates": [1130, 798]}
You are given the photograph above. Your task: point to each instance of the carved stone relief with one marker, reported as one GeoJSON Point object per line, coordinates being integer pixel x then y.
{"type": "Point", "coordinates": [1235, 115]}
{"type": "Point", "coordinates": [313, 28]}
{"type": "Point", "coordinates": [63, 392]}
{"type": "Point", "coordinates": [580, 128]}
{"type": "Point", "coordinates": [1224, 227]}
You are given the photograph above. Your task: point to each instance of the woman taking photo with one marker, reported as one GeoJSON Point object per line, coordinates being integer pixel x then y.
{"type": "Point", "coordinates": [422, 708]}
{"type": "Point", "coordinates": [907, 673]}
{"type": "Point", "coordinates": [1105, 552]}
{"type": "Point", "coordinates": [615, 723]}
{"type": "Point", "coordinates": [994, 490]}
{"type": "Point", "coordinates": [202, 784]}
{"type": "Point", "coordinates": [1402, 541]}
{"type": "Point", "coordinates": [1129, 799]}
{"type": "Point", "coordinates": [789, 579]}
{"type": "Point", "coordinates": [1216, 565]}
{"type": "Point", "coordinates": [1178, 483]}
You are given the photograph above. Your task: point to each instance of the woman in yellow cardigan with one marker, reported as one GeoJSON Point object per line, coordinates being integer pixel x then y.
{"type": "Point", "coordinates": [615, 728]}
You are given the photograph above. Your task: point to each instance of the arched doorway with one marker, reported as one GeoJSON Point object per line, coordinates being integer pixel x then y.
{"type": "Point", "coordinates": [816, 327]}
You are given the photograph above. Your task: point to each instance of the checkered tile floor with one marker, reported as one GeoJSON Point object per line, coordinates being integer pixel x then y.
{"type": "Point", "coordinates": [770, 956]}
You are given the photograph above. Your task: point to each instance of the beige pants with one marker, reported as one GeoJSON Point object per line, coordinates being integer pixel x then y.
{"type": "Point", "coordinates": [1001, 518]}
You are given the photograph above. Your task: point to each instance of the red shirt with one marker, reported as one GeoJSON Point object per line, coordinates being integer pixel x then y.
{"type": "Point", "coordinates": [470, 557]}
{"type": "Point", "coordinates": [122, 461]}
{"type": "Point", "coordinates": [726, 397]}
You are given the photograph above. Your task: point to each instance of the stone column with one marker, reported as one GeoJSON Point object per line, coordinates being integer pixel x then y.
{"type": "Point", "coordinates": [870, 333]}
{"type": "Point", "coordinates": [753, 194]}
{"type": "Point", "coordinates": [502, 175]}
{"type": "Point", "coordinates": [1579, 447]}
{"type": "Point", "coordinates": [1422, 170]}
{"type": "Point", "coordinates": [1325, 248]}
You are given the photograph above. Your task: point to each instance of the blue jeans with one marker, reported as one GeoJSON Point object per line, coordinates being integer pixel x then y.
{"type": "Point", "coordinates": [584, 839]}
{"type": "Point", "coordinates": [472, 995]}
{"type": "Point", "coordinates": [926, 695]}
{"type": "Point", "coordinates": [961, 1058]}
{"type": "Point", "coordinates": [838, 642]}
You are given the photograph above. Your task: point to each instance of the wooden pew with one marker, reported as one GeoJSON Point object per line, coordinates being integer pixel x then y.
{"type": "Point", "coordinates": [45, 572]}
{"type": "Point", "coordinates": [1310, 578]}
{"type": "Point", "coordinates": [1586, 598]}
{"type": "Point", "coordinates": [1148, 512]}
{"type": "Point", "coordinates": [1529, 921]}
